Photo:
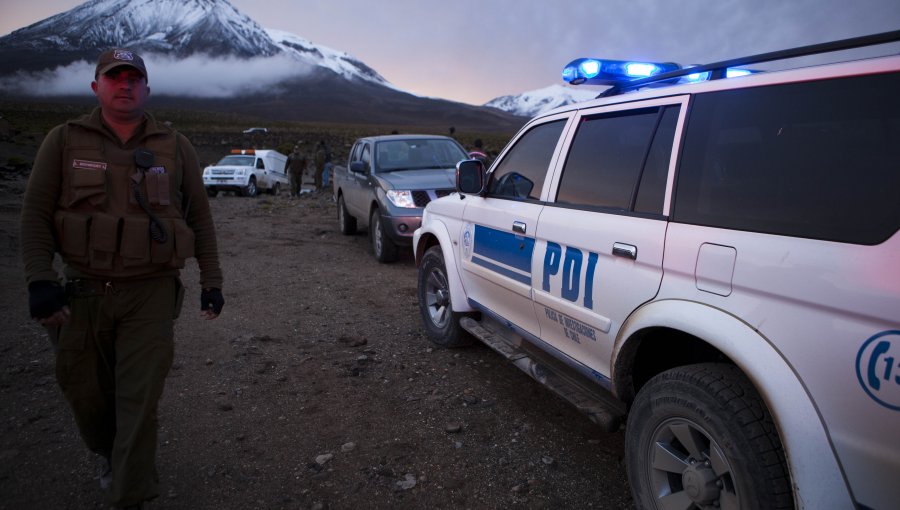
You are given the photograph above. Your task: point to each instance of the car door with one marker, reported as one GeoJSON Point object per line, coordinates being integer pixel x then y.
{"type": "Point", "coordinates": [356, 182]}
{"type": "Point", "coordinates": [262, 174]}
{"type": "Point", "coordinates": [498, 229]}
{"type": "Point", "coordinates": [600, 239]}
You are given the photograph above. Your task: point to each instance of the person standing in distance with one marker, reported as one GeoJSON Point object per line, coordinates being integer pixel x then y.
{"type": "Point", "coordinates": [120, 198]}
{"type": "Point", "coordinates": [296, 165]}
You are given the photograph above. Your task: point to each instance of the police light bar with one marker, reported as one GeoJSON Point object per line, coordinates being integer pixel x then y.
{"type": "Point", "coordinates": [243, 151]}
{"type": "Point", "coordinates": [592, 71]}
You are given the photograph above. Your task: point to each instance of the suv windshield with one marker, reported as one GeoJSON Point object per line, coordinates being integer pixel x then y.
{"type": "Point", "coordinates": [236, 161]}
{"type": "Point", "coordinates": [417, 154]}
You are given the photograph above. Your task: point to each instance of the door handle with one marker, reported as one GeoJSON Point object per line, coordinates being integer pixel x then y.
{"type": "Point", "coordinates": [625, 250]}
{"type": "Point", "coordinates": [519, 227]}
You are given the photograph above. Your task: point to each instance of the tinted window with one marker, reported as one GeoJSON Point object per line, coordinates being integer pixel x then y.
{"type": "Point", "coordinates": [652, 191]}
{"type": "Point", "coordinates": [816, 159]}
{"type": "Point", "coordinates": [522, 171]}
{"type": "Point", "coordinates": [366, 156]}
{"type": "Point", "coordinates": [612, 152]}
{"type": "Point", "coordinates": [355, 155]}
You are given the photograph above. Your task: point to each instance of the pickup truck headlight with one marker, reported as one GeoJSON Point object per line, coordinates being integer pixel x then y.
{"type": "Point", "coordinates": [401, 198]}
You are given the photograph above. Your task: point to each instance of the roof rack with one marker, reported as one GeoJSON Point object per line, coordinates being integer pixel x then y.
{"type": "Point", "coordinates": [717, 69]}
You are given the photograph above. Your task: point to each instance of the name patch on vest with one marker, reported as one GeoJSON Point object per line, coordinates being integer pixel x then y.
{"type": "Point", "coordinates": [88, 165]}
{"type": "Point", "coordinates": [157, 169]}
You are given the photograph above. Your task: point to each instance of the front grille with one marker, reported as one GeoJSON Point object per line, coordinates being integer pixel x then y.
{"type": "Point", "coordinates": [422, 197]}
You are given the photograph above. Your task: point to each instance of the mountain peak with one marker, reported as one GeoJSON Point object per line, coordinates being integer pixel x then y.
{"type": "Point", "coordinates": [531, 103]}
{"type": "Point", "coordinates": [177, 27]}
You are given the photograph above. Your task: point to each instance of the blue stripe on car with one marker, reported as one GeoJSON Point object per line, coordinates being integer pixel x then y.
{"type": "Point", "coordinates": [504, 247]}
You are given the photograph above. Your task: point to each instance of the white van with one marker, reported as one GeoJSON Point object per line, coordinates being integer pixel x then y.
{"type": "Point", "coordinates": [247, 171]}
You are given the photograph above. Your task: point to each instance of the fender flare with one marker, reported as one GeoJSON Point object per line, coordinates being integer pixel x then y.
{"type": "Point", "coordinates": [438, 230]}
{"type": "Point", "coordinates": [816, 473]}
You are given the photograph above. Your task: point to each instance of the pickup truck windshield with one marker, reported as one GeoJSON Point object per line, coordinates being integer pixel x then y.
{"type": "Point", "coordinates": [418, 154]}
{"type": "Point", "coordinates": [236, 161]}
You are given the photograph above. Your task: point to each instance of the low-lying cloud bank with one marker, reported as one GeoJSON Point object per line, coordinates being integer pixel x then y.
{"type": "Point", "coordinates": [197, 76]}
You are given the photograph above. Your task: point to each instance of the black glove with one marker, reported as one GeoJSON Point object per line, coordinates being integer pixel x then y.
{"type": "Point", "coordinates": [211, 298]}
{"type": "Point", "coordinates": [45, 298]}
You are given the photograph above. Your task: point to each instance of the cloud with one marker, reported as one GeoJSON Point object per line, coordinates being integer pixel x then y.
{"type": "Point", "coordinates": [197, 76]}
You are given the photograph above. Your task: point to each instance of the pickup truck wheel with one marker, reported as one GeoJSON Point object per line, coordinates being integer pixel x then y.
{"type": "Point", "coordinates": [274, 190]}
{"type": "Point", "coordinates": [441, 322]}
{"type": "Point", "coordinates": [384, 249]}
{"type": "Point", "coordinates": [347, 222]}
{"type": "Point", "coordinates": [699, 436]}
{"type": "Point", "coordinates": [250, 189]}
{"type": "Point", "coordinates": [210, 192]}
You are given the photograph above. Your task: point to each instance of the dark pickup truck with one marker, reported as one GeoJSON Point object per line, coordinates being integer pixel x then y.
{"type": "Point", "coordinates": [387, 183]}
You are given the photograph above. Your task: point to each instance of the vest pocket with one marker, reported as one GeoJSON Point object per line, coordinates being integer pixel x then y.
{"type": "Point", "coordinates": [160, 253]}
{"type": "Point", "coordinates": [86, 184]}
{"type": "Point", "coordinates": [104, 240]}
{"type": "Point", "coordinates": [184, 241]}
{"type": "Point", "coordinates": [72, 229]}
{"type": "Point", "coordinates": [135, 246]}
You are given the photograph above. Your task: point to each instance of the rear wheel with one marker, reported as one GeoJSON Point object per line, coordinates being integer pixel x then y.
{"type": "Point", "coordinates": [347, 222]}
{"type": "Point", "coordinates": [441, 322]}
{"type": "Point", "coordinates": [274, 190]}
{"type": "Point", "coordinates": [384, 249]}
{"type": "Point", "coordinates": [699, 436]}
{"type": "Point", "coordinates": [250, 189]}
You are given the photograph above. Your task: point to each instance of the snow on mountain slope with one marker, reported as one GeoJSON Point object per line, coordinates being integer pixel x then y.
{"type": "Point", "coordinates": [342, 63]}
{"type": "Point", "coordinates": [184, 27]}
{"type": "Point", "coordinates": [529, 104]}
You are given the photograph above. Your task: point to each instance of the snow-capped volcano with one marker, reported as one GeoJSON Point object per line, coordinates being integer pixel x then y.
{"type": "Point", "coordinates": [172, 29]}
{"type": "Point", "coordinates": [177, 27]}
{"type": "Point", "coordinates": [529, 104]}
{"type": "Point", "coordinates": [205, 54]}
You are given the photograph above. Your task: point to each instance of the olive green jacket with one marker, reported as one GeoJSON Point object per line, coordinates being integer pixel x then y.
{"type": "Point", "coordinates": [80, 203]}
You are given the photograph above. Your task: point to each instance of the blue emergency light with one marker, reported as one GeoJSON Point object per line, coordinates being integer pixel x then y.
{"type": "Point", "coordinates": [593, 71]}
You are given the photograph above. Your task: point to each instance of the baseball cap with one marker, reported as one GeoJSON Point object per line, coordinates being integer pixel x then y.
{"type": "Point", "coordinates": [110, 59]}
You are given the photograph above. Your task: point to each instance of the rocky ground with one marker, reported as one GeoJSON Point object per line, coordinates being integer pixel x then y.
{"type": "Point", "coordinates": [315, 389]}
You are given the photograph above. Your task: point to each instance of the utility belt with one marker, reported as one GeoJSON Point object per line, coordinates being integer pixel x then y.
{"type": "Point", "coordinates": [83, 287]}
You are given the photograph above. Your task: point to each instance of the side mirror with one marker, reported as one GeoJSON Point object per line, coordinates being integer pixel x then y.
{"type": "Point", "coordinates": [470, 177]}
{"type": "Point", "coordinates": [358, 167]}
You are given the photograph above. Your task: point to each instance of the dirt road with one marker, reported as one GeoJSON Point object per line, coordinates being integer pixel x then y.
{"type": "Point", "coordinates": [315, 389]}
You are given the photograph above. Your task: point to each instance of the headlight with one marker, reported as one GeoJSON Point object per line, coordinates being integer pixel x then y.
{"type": "Point", "coordinates": [401, 198]}
{"type": "Point", "coordinates": [239, 171]}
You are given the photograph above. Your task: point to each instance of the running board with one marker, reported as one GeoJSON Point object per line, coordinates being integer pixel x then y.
{"type": "Point", "coordinates": [596, 409]}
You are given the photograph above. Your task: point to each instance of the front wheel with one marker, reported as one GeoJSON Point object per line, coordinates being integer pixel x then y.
{"type": "Point", "coordinates": [441, 322]}
{"type": "Point", "coordinates": [700, 437]}
{"type": "Point", "coordinates": [250, 189]}
{"type": "Point", "coordinates": [384, 249]}
{"type": "Point", "coordinates": [211, 192]}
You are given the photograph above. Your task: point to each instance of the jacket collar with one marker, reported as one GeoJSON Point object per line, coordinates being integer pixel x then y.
{"type": "Point", "coordinates": [94, 121]}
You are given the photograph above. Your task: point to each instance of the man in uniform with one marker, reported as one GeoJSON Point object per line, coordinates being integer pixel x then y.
{"type": "Point", "coordinates": [296, 165]}
{"type": "Point", "coordinates": [321, 160]}
{"type": "Point", "coordinates": [120, 197]}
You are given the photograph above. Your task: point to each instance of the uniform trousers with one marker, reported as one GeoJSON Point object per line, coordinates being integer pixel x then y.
{"type": "Point", "coordinates": [112, 359]}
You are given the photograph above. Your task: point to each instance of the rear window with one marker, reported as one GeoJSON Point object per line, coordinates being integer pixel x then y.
{"type": "Point", "coordinates": [818, 160]}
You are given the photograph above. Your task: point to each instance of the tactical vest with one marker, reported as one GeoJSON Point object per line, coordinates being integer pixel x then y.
{"type": "Point", "coordinates": [101, 228]}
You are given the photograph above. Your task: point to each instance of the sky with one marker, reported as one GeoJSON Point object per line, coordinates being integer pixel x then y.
{"type": "Point", "coordinates": [473, 51]}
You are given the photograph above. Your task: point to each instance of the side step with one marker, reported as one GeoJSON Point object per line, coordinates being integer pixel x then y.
{"type": "Point", "coordinates": [597, 409]}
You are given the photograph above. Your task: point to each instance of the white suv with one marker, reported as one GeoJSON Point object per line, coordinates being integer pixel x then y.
{"type": "Point", "coordinates": [716, 262]}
